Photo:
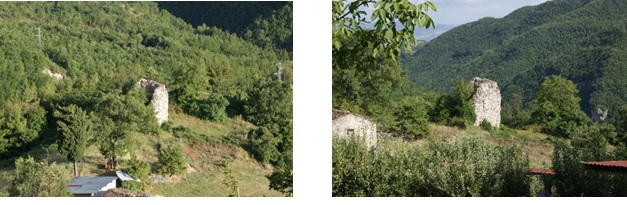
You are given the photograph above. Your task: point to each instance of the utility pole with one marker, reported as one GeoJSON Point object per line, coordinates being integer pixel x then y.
{"type": "Point", "coordinates": [39, 36]}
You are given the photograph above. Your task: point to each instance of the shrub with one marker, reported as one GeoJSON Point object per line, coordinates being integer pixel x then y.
{"type": "Point", "coordinates": [263, 145]}
{"type": "Point", "coordinates": [167, 126]}
{"type": "Point", "coordinates": [466, 167]}
{"type": "Point", "coordinates": [171, 161]}
{"type": "Point", "coordinates": [138, 169]}
{"type": "Point", "coordinates": [35, 179]}
{"type": "Point", "coordinates": [485, 125]}
{"type": "Point", "coordinates": [133, 185]}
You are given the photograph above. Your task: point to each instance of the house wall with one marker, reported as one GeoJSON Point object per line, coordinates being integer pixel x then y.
{"type": "Point", "coordinates": [360, 126]}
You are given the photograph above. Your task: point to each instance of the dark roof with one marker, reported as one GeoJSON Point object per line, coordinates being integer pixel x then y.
{"type": "Point", "coordinates": [540, 171]}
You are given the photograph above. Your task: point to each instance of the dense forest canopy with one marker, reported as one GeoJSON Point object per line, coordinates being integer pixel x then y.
{"type": "Point", "coordinates": [267, 24]}
{"type": "Point", "coordinates": [99, 50]}
{"type": "Point", "coordinates": [582, 40]}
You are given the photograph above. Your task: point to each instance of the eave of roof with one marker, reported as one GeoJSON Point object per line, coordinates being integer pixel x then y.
{"type": "Point", "coordinates": [617, 164]}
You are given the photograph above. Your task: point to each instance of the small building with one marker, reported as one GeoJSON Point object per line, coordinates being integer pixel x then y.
{"type": "Point", "coordinates": [91, 186]}
{"type": "Point", "coordinates": [609, 166]}
{"type": "Point", "coordinates": [347, 124]}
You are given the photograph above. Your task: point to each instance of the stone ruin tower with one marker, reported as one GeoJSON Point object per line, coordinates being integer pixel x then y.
{"type": "Point", "coordinates": [599, 114]}
{"type": "Point", "coordinates": [487, 101]}
{"type": "Point", "coordinates": [158, 95]}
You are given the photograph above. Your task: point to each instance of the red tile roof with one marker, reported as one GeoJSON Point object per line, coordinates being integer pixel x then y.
{"type": "Point", "coordinates": [540, 171]}
{"type": "Point", "coordinates": [618, 164]}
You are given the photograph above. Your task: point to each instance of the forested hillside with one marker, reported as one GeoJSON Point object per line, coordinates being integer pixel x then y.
{"type": "Point", "coordinates": [267, 24]}
{"type": "Point", "coordinates": [581, 40]}
{"type": "Point", "coordinates": [101, 49]}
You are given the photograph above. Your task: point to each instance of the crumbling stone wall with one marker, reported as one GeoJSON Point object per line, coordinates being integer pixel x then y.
{"type": "Point", "coordinates": [599, 114]}
{"type": "Point", "coordinates": [487, 101]}
{"type": "Point", "coordinates": [158, 95]}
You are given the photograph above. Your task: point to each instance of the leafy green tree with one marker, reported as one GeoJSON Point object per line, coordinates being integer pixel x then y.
{"type": "Point", "coordinates": [171, 160]}
{"type": "Point", "coordinates": [76, 129]}
{"type": "Point", "coordinates": [274, 31]}
{"type": "Point", "coordinates": [368, 91]}
{"type": "Point", "coordinates": [282, 178]}
{"type": "Point", "coordinates": [20, 124]}
{"type": "Point", "coordinates": [263, 145]}
{"type": "Point", "coordinates": [139, 170]}
{"type": "Point", "coordinates": [385, 39]}
{"type": "Point", "coordinates": [411, 119]}
{"type": "Point", "coordinates": [556, 107]}
{"type": "Point", "coordinates": [213, 108]}
{"type": "Point", "coordinates": [621, 124]}
{"type": "Point", "coordinates": [118, 116]}
{"type": "Point", "coordinates": [34, 179]}
{"type": "Point", "coordinates": [456, 108]}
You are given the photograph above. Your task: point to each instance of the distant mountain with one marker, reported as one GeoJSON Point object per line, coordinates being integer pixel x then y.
{"type": "Point", "coordinates": [582, 40]}
{"type": "Point", "coordinates": [432, 33]}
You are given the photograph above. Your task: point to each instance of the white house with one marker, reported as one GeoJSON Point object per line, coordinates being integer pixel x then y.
{"type": "Point", "coordinates": [346, 124]}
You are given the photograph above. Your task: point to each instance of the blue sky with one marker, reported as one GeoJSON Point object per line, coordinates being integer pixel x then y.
{"type": "Point", "coordinates": [456, 12]}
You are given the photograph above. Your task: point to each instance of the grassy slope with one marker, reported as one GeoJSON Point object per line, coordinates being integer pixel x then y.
{"type": "Point", "coordinates": [204, 175]}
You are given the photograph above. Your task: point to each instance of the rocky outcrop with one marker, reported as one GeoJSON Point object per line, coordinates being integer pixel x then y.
{"type": "Point", "coordinates": [54, 75]}
{"type": "Point", "coordinates": [487, 101]}
{"type": "Point", "coordinates": [158, 95]}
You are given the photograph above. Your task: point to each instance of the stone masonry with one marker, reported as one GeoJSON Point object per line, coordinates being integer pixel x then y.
{"type": "Point", "coordinates": [346, 125]}
{"type": "Point", "coordinates": [487, 101]}
{"type": "Point", "coordinates": [158, 95]}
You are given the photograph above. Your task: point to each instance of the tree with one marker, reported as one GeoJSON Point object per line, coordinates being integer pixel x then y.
{"type": "Point", "coordinates": [281, 178]}
{"type": "Point", "coordinates": [385, 39]}
{"type": "Point", "coordinates": [20, 124]}
{"type": "Point", "coordinates": [556, 107]}
{"type": "Point", "coordinates": [75, 126]}
{"type": "Point", "coordinates": [273, 32]}
{"type": "Point", "coordinates": [621, 124]}
{"type": "Point", "coordinates": [263, 145]}
{"type": "Point", "coordinates": [411, 119]}
{"type": "Point", "coordinates": [456, 108]}
{"type": "Point", "coordinates": [118, 116]}
{"type": "Point", "coordinates": [171, 160]}
{"type": "Point", "coordinates": [33, 179]}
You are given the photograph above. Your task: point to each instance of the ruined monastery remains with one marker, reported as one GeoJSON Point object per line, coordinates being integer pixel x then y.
{"type": "Point", "coordinates": [158, 95]}
{"type": "Point", "coordinates": [487, 101]}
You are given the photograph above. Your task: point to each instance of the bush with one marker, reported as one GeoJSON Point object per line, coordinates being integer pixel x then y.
{"type": "Point", "coordinates": [466, 167]}
{"type": "Point", "coordinates": [133, 185]}
{"type": "Point", "coordinates": [36, 179]}
{"type": "Point", "coordinates": [411, 119]}
{"type": "Point", "coordinates": [171, 161]}
{"type": "Point", "coordinates": [213, 108]}
{"type": "Point", "coordinates": [485, 125]}
{"type": "Point", "coordinates": [138, 169]}
{"type": "Point", "coordinates": [263, 145]}
{"type": "Point", "coordinates": [167, 126]}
